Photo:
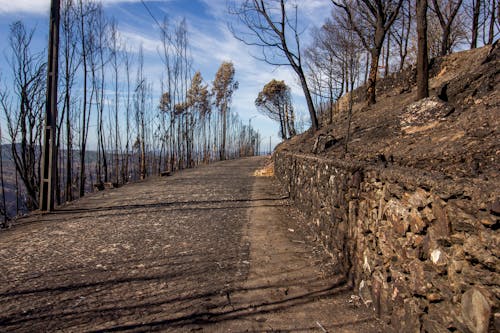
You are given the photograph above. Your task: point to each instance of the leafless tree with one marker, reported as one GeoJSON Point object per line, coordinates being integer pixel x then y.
{"type": "Point", "coordinates": [98, 60]}
{"type": "Point", "coordinates": [3, 207]}
{"type": "Point", "coordinates": [402, 31]}
{"type": "Point", "coordinates": [85, 13]}
{"type": "Point", "coordinates": [115, 51]}
{"type": "Point", "coordinates": [273, 26]}
{"type": "Point", "coordinates": [446, 12]}
{"type": "Point", "coordinates": [494, 14]}
{"type": "Point", "coordinates": [70, 64]}
{"type": "Point", "coordinates": [331, 53]}
{"type": "Point", "coordinates": [352, 64]}
{"type": "Point", "coordinates": [140, 95]}
{"type": "Point", "coordinates": [323, 68]}
{"type": "Point", "coordinates": [24, 120]}
{"type": "Point", "coordinates": [476, 10]}
{"type": "Point", "coordinates": [371, 20]}
{"type": "Point", "coordinates": [126, 155]}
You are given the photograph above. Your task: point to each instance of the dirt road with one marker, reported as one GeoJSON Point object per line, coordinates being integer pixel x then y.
{"type": "Point", "coordinates": [212, 249]}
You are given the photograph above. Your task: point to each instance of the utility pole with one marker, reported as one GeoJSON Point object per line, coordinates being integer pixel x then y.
{"type": "Point", "coordinates": [49, 158]}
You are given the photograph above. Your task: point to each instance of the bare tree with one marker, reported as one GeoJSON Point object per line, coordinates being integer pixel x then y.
{"type": "Point", "coordinates": [446, 11]}
{"type": "Point", "coordinates": [476, 9]}
{"type": "Point", "coordinates": [401, 32]}
{"type": "Point", "coordinates": [331, 54]}
{"type": "Point", "coordinates": [125, 158]}
{"type": "Point", "coordinates": [70, 64]}
{"type": "Point", "coordinates": [494, 16]}
{"type": "Point", "coordinates": [275, 30]}
{"type": "Point", "coordinates": [98, 60]}
{"type": "Point", "coordinates": [323, 68]}
{"type": "Point", "coordinates": [140, 114]}
{"type": "Point", "coordinates": [85, 9]}
{"type": "Point", "coordinates": [3, 207]}
{"type": "Point", "coordinates": [24, 122]}
{"type": "Point", "coordinates": [371, 20]}
{"type": "Point", "coordinates": [115, 52]}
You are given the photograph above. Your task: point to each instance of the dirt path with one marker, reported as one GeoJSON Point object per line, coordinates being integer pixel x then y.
{"type": "Point", "coordinates": [212, 249]}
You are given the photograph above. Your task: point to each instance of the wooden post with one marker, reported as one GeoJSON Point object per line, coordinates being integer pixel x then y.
{"type": "Point", "coordinates": [49, 157]}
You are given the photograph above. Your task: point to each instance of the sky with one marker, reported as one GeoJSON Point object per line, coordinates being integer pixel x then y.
{"type": "Point", "coordinates": [210, 40]}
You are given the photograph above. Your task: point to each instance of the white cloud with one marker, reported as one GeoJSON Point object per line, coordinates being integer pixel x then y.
{"type": "Point", "coordinates": [25, 6]}
{"type": "Point", "coordinates": [134, 40]}
{"type": "Point", "coordinates": [41, 7]}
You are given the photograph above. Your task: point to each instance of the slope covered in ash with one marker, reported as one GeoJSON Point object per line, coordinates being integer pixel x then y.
{"type": "Point", "coordinates": [454, 132]}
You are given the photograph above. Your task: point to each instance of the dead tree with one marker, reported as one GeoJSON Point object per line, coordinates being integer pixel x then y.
{"type": "Point", "coordinates": [3, 208]}
{"type": "Point", "coordinates": [371, 20]}
{"type": "Point", "coordinates": [276, 31]}
{"type": "Point", "coordinates": [84, 13]}
{"type": "Point", "coordinates": [24, 122]}
{"type": "Point", "coordinates": [70, 64]}
{"type": "Point", "coordinates": [140, 95]}
{"type": "Point", "coordinates": [401, 31]}
{"type": "Point", "coordinates": [446, 11]}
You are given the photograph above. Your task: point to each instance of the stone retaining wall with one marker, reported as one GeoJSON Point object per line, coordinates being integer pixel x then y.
{"type": "Point", "coordinates": [421, 250]}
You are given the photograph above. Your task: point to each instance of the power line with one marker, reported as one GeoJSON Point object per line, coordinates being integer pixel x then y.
{"type": "Point", "coordinates": [166, 34]}
{"type": "Point", "coordinates": [154, 18]}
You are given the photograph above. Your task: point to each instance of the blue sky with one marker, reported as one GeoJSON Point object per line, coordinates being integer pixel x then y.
{"type": "Point", "coordinates": [210, 40]}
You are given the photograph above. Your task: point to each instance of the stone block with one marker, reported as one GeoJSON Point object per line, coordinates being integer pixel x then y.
{"type": "Point", "coordinates": [476, 249]}
{"type": "Point", "coordinates": [364, 291]}
{"type": "Point", "coordinates": [417, 224]}
{"type": "Point", "coordinates": [455, 276]}
{"type": "Point", "coordinates": [427, 214]}
{"type": "Point", "coordinates": [397, 214]}
{"type": "Point", "coordinates": [476, 310]}
{"type": "Point", "coordinates": [417, 281]}
{"type": "Point", "coordinates": [406, 318]}
{"type": "Point", "coordinates": [418, 199]}
{"type": "Point", "coordinates": [461, 221]}
{"type": "Point", "coordinates": [440, 229]}
{"type": "Point", "coordinates": [495, 207]}
{"type": "Point", "coordinates": [394, 190]}
{"type": "Point", "coordinates": [433, 326]}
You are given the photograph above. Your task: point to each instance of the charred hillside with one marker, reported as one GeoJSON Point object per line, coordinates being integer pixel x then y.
{"type": "Point", "coordinates": [455, 131]}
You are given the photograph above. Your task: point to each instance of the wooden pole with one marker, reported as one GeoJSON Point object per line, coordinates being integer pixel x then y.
{"type": "Point", "coordinates": [49, 157]}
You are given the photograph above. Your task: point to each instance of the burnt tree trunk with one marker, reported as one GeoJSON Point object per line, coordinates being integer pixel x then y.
{"type": "Point", "coordinates": [422, 57]}
{"type": "Point", "coordinates": [475, 23]}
